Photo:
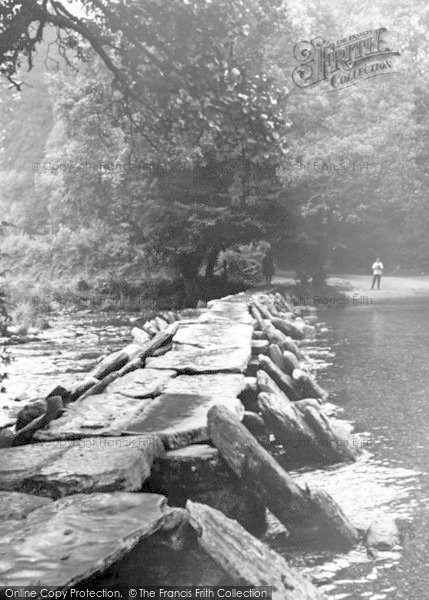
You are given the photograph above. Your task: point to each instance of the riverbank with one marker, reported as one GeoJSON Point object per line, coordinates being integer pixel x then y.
{"type": "Point", "coordinates": [353, 290]}
{"type": "Point", "coordinates": [393, 289]}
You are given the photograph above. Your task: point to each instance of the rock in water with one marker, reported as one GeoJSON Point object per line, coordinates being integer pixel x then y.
{"type": "Point", "coordinates": [290, 429]}
{"type": "Point", "coordinates": [334, 442]}
{"type": "Point", "coordinates": [284, 382]}
{"type": "Point", "coordinates": [30, 412]}
{"type": "Point", "coordinates": [225, 541]}
{"type": "Point", "coordinates": [309, 514]}
{"type": "Point", "coordinates": [383, 534]}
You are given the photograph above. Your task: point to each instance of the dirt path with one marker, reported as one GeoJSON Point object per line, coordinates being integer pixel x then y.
{"type": "Point", "coordinates": [392, 288]}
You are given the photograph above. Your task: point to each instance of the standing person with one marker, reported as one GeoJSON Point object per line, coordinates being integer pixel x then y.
{"type": "Point", "coordinates": [377, 272]}
{"type": "Point", "coordinates": [268, 265]}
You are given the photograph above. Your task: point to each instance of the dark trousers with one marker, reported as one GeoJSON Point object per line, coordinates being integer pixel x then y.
{"type": "Point", "coordinates": [376, 278]}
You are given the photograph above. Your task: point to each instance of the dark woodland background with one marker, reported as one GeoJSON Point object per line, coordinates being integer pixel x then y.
{"type": "Point", "coordinates": [197, 97]}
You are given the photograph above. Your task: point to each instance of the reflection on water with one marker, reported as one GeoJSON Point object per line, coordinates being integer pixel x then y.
{"type": "Point", "coordinates": [380, 378]}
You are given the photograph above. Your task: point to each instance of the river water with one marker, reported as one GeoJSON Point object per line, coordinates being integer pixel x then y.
{"type": "Point", "coordinates": [62, 355]}
{"type": "Point", "coordinates": [377, 371]}
{"type": "Point", "coordinates": [373, 360]}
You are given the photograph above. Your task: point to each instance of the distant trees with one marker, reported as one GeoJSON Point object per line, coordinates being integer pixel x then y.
{"type": "Point", "coordinates": [180, 131]}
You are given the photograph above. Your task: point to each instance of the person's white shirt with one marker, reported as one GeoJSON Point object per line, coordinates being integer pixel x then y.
{"type": "Point", "coordinates": [377, 268]}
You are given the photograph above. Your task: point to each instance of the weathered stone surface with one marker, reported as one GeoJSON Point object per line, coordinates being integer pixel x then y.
{"type": "Point", "coordinates": [234, 501]}
{"type": "Point", "coordinates": [83, 386]}
{"type": "Point", "coordinates": [19, 463]}
{"type": "Point", "coordinates": [181, 419]}
{"type": "Point", "coordinates": [290, 429]}
{"type": "Point", "coordinates": [198, 360]}
{"type": "Point", "coordinates": [16, 506]}
{"type": "Point", "coordinates": [306, 403]}
{"type": "Point", "coordinates": [54, 408]}
{"type": "Point", "coordinates": [102, 414]}
{"type": "Point", "coordinates": [308, 513]}
{"type": "Point", "coordinates": [269, 386]}
{"type": "Point", "coordinates": [259, 335]}
{"type": "Point", "coordinates": [334, 441]}
{"type": "Point", "coordinates": [142, 383]}
{"type": "Point", "coordinates": [140, 335]}
{"type": "Point", "coordinates": [150, 327]}
{"type": "Point", "coordinates": [30, 411]}
{"type": "Point", "coordinates": [224, 540]}
{"type": "Point", "coordinates": [283, 381]}
{"type": "Point", "coordinates": [115, 361]}
{"type": "Point", "coordinates": [6, 438]}
{"type": "Point", "coordinates": [249, 395]}
{"type": "Point", "coordinates": [98, 464]}
{"type": "Point", "coordinates": [196, 468]}
{"type": "Point", "coordinates": [215, 385]}
{"type": "Point", "coordinates": [160, 323]}
{"type": "Point", "coordinates": [206, 335]}
{"type": "Point", "coordinates": [228, 310]}
{"type": "Point", "coordinates": [197, 472]}
{"type": "Point", "coordinates": [134, 352]}
{"type": "Point", "coordinates": [276, 356]}
{"type": "Point", "coordinates": [289, 345]}
{"type": "Point", "coordinates": [256, 425]}
{"type": "Point", "coordinates": [293, 329]}
{"type": "Point", "coordinates": [69, 540]}
{"type": "Point", "coordinates": [307, 386]}
{"type": "Point", "coordinates": [260, 347]}
{"type": "Point", "coordinates": [383, 534]}
{"type": "Point", "coordinates": [290, 362]}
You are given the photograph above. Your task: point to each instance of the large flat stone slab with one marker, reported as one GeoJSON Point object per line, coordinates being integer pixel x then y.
{"type": "Point", "coordinates": [221, 333]}
{"type": "Point", "coordinates": [19, 463]}
{"type": "Point", "coordinates": [198, 360]}
{"type": "Point", "coordinates": [214, 385]}
{"type": "Point", "coordinates": [142, 383]}
{"type": "Point", "coordinates": [67, 541]}
{"type": "Point", "coordinates": [94, 416]}
{"type": "Point", "coordinates": [15, 506]}
{"type": "Point", "coordinates": [237, 311]}
{"type": "Point", "coordinates": [221, 316]}
{"type": "Point", "coordinates": [89, 465]}
{"type": "Point", "coordinates": [181, 419]}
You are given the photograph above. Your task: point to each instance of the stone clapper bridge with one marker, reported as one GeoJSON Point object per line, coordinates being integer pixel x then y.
{"type": "Point", "coordinates": [186, 415]}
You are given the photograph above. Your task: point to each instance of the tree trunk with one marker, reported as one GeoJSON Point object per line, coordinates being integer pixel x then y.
{"type": "Point", "coordinates": [211, 261]}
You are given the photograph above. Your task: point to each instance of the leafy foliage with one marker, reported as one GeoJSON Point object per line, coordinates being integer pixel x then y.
{"type": "Point", "coordinates": [192, 101]}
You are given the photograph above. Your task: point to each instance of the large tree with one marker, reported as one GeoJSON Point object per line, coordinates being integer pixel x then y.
{"type": "Point", "coordinates": [193, 92]}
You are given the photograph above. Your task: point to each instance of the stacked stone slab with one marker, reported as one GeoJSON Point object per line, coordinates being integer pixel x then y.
{"type": "Point", "coordinates": [140, 424]}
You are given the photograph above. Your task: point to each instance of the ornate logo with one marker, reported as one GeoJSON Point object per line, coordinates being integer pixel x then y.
{"type": "Point", "coordinates": [341, 64]}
